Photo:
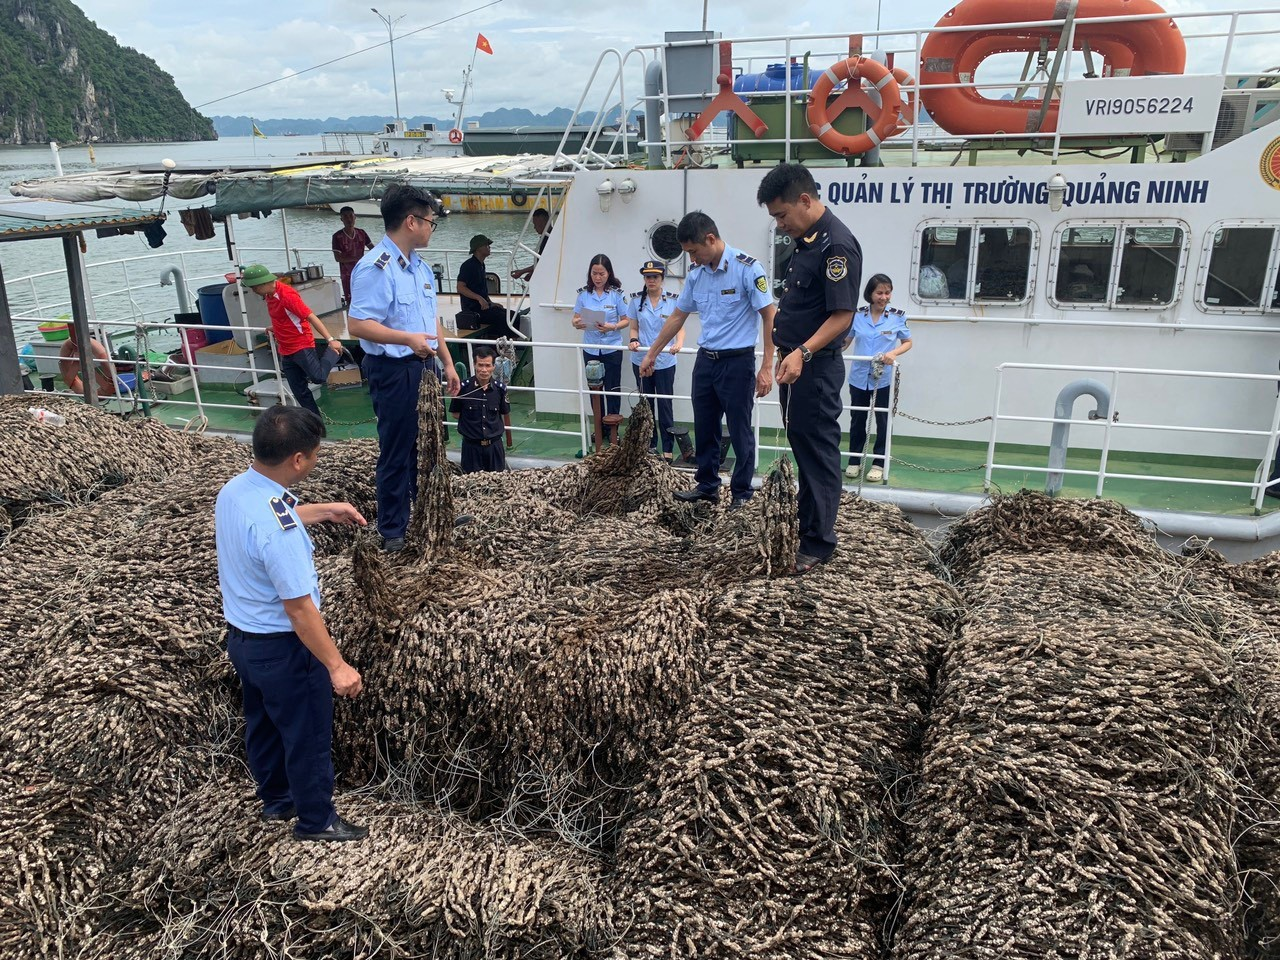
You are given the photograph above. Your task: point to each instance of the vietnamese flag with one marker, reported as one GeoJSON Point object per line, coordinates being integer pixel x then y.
{"type": "Point", "coordinates": [483, 44]}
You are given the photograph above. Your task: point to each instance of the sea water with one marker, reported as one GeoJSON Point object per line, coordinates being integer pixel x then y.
{"type": "Point", "coordinates": [258, 240]}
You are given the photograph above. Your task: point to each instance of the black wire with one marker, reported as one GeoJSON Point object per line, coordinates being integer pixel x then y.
{"type": "Point", "coordinates": [348, 56]}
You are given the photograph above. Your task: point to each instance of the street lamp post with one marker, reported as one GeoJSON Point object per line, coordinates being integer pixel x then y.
{"type": "Point", "coordinates": [392, 41]}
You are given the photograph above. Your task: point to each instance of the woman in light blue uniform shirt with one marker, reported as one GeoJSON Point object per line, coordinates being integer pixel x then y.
{"type": "Point", "coordinates": [647, 311]}
{"type": "Point", "coordinates": [603, 294]}
{"type": "Point", "coordinates": [877, 330]}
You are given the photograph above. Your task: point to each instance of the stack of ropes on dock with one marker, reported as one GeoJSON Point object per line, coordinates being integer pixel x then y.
{"type": "Point", "coordinates": [597, 723]}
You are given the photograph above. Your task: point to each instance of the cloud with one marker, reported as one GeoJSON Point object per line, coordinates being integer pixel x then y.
{"type": "Point", "coordinates": [543, 53]}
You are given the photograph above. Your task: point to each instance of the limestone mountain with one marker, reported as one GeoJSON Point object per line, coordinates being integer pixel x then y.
{"type": "Point", "coordinates": [63, 78]}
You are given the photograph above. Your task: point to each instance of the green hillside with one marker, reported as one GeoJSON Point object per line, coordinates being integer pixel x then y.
{"type": "Point", "coordinates": [62, 78]}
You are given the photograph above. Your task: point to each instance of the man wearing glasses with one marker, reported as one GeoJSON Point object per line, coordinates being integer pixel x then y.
{"type": "Point", "coordinates": [393, 312]}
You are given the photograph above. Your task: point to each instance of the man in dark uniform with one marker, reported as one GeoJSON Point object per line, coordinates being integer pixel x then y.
{"type": "Point", "coordinates": [288, 665]}
{"type": "Point", "coordinates": [473, 290]}
{"type": "Point", "coordinates": [483, 414]}
{"type": "Point", "coordinates": [818, 301]}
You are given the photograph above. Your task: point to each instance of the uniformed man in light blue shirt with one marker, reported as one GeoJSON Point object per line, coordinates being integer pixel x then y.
{"type": "Point", "coordinates": [289, 666]}
{"type": "Point", "coordinates": [730, 292]}
{"type": "Point", "coordinates": [393, 312]}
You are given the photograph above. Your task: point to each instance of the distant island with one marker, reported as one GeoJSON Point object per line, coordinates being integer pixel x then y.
{"type": "Point", "coordinates": [504, 117]}
{"type": "Point", "coordinates": [63, 78]}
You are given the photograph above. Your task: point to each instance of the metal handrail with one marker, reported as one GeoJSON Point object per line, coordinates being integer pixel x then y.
{"type": "Point", "coordinates": [1110, 424]}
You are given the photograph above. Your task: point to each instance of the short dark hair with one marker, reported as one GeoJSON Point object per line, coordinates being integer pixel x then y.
{"type": "Point", "coordinates": [283, 431]}
{"type": "Point", "coordinates": [694, 227]}
{"type": "Point", "coordinates": [786, 182]}
{"type": "Point", "coordinates": [875, 281]}
{"type": "Point", "coordinates": [602, 260]}
{"type": "Point", "coordinates": [347, 210]}
{"type": "Point", "coordinates": [405, 200]}
{"type": "Point", "coordinates": [544, 211]}
{"type": "Point", "coordinates": [485, 352]}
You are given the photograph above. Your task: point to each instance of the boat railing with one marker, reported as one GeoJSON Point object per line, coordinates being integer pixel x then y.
{"type": "Point", "coordinates": [1109, 423]}
{"type": "Point", "coordinates": [1213, 39]}
{"type": "Point", "coordinates": [117, 287]}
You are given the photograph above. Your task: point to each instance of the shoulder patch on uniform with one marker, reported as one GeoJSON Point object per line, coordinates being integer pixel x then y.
{"type": "Point", "coordinates": [762, 283]}
{"type": "Point", "coordinates": [743, 258]}
{"type": "Point", "coordinates": [383, 259]}
{"type": "Point", "coordinates": [283, 516]}
{"type": "Point", "coordinates": [896, 311]}
{"type": "Point", "coordinates": [837, 268]}
{"type": "Point", "coordinates": [668, 295]}
{"type": "Point", "coordinates": [635, 296]}
{"type": "Point", "coordinates": [582, 289]}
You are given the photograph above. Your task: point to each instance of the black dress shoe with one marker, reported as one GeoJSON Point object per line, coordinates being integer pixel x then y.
{"type": "Point", "coordinates": [738, 503]}
{"type": "Point", "coordinates": [393, 544]}
{"type": "Point", "coordinates": [337, 831]}
{"type": "Point", "coordinates": [462, 519]}
{"type": "Point", "coordinates": [274, 816]}
{"type": "Point", "coordinates": [694, 495]}
{"type": "Point", "coordinates": [1272, 491]}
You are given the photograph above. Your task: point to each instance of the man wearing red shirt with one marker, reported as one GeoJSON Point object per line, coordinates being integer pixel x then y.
{"type": "Point", "coordinates": [291, 323]}
{"type": "Point", "coordinates": [349, 245]}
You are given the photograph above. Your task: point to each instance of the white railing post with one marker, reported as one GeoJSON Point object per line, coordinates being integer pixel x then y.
{"type": "Point", "coordinates": [995, 421]}
{"type": "Point", "coordinates": [1106, 433]}
{"type": "Point", "coordinates": [1271, 456]}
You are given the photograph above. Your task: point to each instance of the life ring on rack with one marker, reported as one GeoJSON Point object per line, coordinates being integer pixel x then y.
{"type": "Point", "coordinates": [1136, 48]}
{"type": "Point", "coordinates": [854, 70]}
{"type": "Point", "coordinates": [455, 135]}
{"type": "Point", "coordinates": [857, 97]}
{"type": "Point", "coordinates": [69, 368]}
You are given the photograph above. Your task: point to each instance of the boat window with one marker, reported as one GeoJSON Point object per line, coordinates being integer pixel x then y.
{"type": "Point", "coordinates": [1084, 264]}
{"type": "Point", "coordinates": [1004, 264]}
{"type": "Point", "coordinates": [944, 263]}
{"type": "Point", "coordinates": [1237, 275]}
{"type": "Point", "coordinates": [664, 243]}
{"type": "Point", "coordinates": [1149, 264]}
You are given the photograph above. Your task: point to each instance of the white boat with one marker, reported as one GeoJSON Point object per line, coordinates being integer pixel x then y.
{"type": "Point", "coordinates": [1164, 189]}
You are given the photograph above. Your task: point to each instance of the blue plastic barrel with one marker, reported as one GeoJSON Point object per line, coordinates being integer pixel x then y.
{"type": "Point", "coordinates": [773, 79]}
{"type": "Point", "coordinates": [213, 312]}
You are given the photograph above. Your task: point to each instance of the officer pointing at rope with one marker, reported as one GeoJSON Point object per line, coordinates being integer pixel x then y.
{"type": "Point", "coordinates": [818, 301]}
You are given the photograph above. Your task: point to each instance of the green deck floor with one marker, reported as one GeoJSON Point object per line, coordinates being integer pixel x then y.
{"type": "Point", "coordinates": [918, 463]}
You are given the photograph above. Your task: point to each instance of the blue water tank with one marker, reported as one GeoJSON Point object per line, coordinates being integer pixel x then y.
{"type": "Point", "coordinates": [213, 312]}
{"type": "Point", "coordinates": [773, 79]}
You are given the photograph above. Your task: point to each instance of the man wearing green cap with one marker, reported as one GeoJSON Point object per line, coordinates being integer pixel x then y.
{"type": "Point", "coordinates": [473, 289]}
{"type": "Point", "coordinates": [291, 323]}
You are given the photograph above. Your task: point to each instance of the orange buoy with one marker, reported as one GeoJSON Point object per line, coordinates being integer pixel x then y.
{"type": "Point", "coordinates": [854, 70]}
{"type": "Point", "coordinates": [1137, 48]}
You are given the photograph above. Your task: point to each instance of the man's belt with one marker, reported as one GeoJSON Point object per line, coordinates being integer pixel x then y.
{"type": "Point", "coordinates": [725, 354]}
{"type": "Point", "coordinates": [481, 443]}
{"type": "Point", "coordinates": [411, 358]}
{"type": "Point", "coordinates": [234, 631]}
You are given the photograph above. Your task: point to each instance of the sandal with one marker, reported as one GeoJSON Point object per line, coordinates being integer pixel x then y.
{"type": "Point", "coordinates": [805, 563]}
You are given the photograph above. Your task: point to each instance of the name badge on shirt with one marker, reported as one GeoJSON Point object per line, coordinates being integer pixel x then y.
{"type": "Point", "coordinates": [283, 516]}
{"type": "Point", "coordinates": [728, 293]}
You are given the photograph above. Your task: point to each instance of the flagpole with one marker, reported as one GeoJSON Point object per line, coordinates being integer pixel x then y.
{"type": "Point", "coordinates": [253, 134]}
{"type": "Point", "coordinates": [470, 70]}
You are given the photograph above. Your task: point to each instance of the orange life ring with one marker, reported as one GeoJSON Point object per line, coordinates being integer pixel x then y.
{"type": "Point", "coordinates": [855, 96]}
{"type": "Point", "coordinates": [855, 69]}
{"type": "Point", "coordinates": [455, 135]}
{"type": "Point", "coordinates": [1139, 48]}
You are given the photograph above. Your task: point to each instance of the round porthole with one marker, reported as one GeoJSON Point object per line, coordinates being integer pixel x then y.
{"type": "Point", "coordinates": [663, 242]}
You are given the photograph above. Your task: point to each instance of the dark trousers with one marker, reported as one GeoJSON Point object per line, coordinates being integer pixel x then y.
{"type": "Point", "coordinates": [307, 366]}
{"type": "Point", "coordinates": [503, 322]}
{"type": "Point", "coordinates": [858, 423]}
{"type": "Point", "coordinates": [477, 457]}
{"type": "Point", "coordinates": [724, 389]}
{"type": "Point", "coordinates": [288, 724]}
{"type": "Point", "coordinates": [812, 407]}
{"type": "Point", "coordinates": [393, 388]}
{"type": "Point", "coordinates": [662, 381]}
{"type": "Point", "coordinates": [612, 360]}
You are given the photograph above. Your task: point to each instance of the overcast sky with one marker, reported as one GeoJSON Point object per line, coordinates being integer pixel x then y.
{"type": "Point", "coordinates": [543, 49]}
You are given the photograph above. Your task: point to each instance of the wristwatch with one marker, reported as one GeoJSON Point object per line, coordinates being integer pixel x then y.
{"type": "Point", "coordinates": [805, 353]}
